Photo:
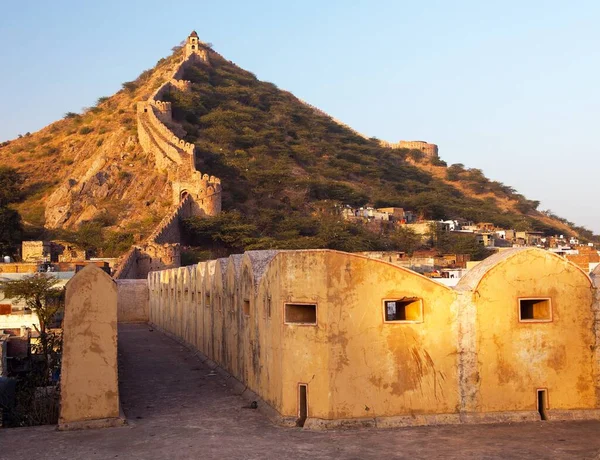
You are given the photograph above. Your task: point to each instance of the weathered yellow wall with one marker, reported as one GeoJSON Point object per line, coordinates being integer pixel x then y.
{"type": "Point", "coordinates": [356, 365]}
{"type": "Point", "coordinates": [517, 358]}
{"type": "Point", "coordinates": [89, 384]}
{"type": "Point", "coordinates": [200, 308]}
{"type": "Point", "coordinates": [469, 355]}
{"type": "Point", "coordinates": [132, 301]}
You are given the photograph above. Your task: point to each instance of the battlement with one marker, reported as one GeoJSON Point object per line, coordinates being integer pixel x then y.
{"type": "Point", "coordinates": [126, 265]}
{"type": "Point", "coordinates": [161, 250]}
{"type": "Point", "coordinates": [181, 85]}
{"type": "Point", "coordinates": [163, 111]}
{"type": "Point", "coordinates": [167, 230]}
{"type": "Point", "coordinates": [153, 108]}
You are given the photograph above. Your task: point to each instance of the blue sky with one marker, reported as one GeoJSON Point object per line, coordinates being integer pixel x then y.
{"type": "Point", "coordinates": [509, 87]}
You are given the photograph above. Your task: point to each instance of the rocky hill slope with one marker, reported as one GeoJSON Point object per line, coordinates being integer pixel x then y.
{"type": "Point", "coordinates": [281, 163]}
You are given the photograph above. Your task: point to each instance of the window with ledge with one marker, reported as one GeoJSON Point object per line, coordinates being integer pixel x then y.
{"type": "Point", "coordinates": [405, 310]}
{"type": "Point", "coordinates": [246, 307]}
{"type": "Point", "coordinates": [535, 310]}
{"type": "Point", "coordinates": [301, 313]}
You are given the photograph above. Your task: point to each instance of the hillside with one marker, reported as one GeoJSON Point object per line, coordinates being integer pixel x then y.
{"type": "Point", "coordinates": [283, 167]}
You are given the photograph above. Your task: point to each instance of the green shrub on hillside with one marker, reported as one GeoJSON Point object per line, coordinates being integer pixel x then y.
{"type": "Point", "coordinates": [86, 130]}
{"type": "Point", "coordinates": [275, 156]}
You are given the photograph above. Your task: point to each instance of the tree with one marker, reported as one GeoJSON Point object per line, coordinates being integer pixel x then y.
{"type": "Point", "coordinates": [454, 171]}
{"type": "Point", "coordinates": [10, 182]}
{"type": "Point", "coordinates": [405, 239]}
{"type": "Point", "coordinates": [10, 222]}
{"type": "Point", "coordinates": [11, 231]}
{"type": "Point", "coordinates": [45, 299]}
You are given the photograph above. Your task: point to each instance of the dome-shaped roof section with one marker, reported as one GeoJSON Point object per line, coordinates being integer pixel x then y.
{"type": "Point", "coordinates": [474, 276]}
{"type": "Point", "coordinates": [471, 280]}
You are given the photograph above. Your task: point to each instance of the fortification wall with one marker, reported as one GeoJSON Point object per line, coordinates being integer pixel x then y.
{"type": "Point", "coordinates": [162, 248]}
{"type": "Point", "coordinates": [163, 111]}
{"type": "Point", "coordinates": [273, 320]}
{"type": "Point", "coordinates": [155, 256]}
{"type": "Point", "coordinates": [206, 191]}
{"type": "Point", "coordinates": [170, 143]}
{"type": "Point", "coordinates": [150, 144]}
{"type": "Point", "coordinates": [127, 267]}
{"type": "Point", "coordinates": [168, 231]}
{"type": "Point", "coordinates": [431, 150]}
{"type": "Point", "coordinates": [193, 192]}
{"type": "Point", "coordinates": [181, 85]}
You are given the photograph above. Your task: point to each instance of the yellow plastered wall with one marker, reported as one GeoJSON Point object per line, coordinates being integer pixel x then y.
{"type": "Point", "coordinates": [218, 311]}
{"type": "Point", "coordinates": [89, 382]}
{"type": "Point", "coordinates": [231, 358]}
{"type": "Point", "coordinates": [199, 340]}
{"type": "Point", "coordinates": [469, 353]}
{"type": "Point", "coordinates": [208, 309]}
{"type": "Point", "coordinates": [515, 358]}
{"type": "Point", "coordinates": [355, 364]}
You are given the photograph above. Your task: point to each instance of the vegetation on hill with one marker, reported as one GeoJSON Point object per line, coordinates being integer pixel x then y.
{"type": "Point", "coordinates": [285, 170]}
{"type": "Point", "coordinates": [11, 230]}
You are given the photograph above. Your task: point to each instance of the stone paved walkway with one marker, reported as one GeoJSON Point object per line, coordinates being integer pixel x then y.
{"type": "Point", "coordinates": [178, 409]}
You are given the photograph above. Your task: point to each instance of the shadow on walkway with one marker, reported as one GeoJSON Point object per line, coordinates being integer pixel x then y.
{"type": "Point", "coordinates": [177, 408]}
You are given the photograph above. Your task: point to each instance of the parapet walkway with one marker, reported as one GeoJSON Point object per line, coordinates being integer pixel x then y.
{"type": "Point", "coordinates": [178, 408]}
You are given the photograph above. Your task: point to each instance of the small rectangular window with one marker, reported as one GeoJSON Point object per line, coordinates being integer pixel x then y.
{"type": "Point", "coordinates": [246, 307]}
{"type": "Point", "coordinates": [301, 313]}
{"type": "Point", "coordinates": [269, 306]}
{"type": "Point", "coordinates": [407, 310]}
{"type": "Point", "coordinates": [535, 310]}
{"type": "Point", "coordinates": [207, 300]}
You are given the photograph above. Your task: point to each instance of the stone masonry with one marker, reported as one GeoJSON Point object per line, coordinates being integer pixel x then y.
{"type": "Point", "coordinates": [194, 193]}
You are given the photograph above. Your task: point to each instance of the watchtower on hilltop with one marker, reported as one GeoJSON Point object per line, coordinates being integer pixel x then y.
{"type": "Point", "coordinates": [192, 44]}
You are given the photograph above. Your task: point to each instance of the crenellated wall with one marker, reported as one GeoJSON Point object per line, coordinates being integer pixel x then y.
{"type": "Point", "coordinates": [127, 266]}
{"type": "Point", "coordinates": [176, 149]}
{"type": "Point", "coordinates": [206, 191]}
{"type": "Point", "coordinates": [194, 193]}
{"type": "Point", "coordinates": [162, 248]}
{"type": "Point", "coordinates": [181, 85]}
{"type": "Point", "coordinates": [278, 321]}
{"type": "Point", "coordinates": [168, 231]}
